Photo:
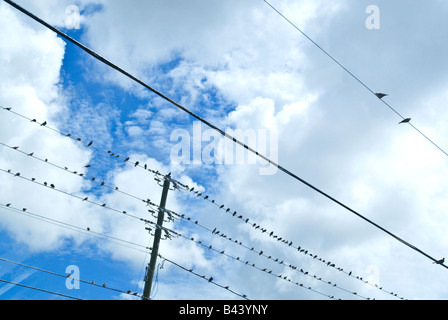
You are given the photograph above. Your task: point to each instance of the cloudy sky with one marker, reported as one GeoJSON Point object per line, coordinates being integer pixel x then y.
{"type": "Point", "coordinates": [240, 66]}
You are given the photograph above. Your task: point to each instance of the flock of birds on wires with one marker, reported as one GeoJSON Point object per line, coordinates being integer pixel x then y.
{"type": "Point", "coordinates": [175, 216]}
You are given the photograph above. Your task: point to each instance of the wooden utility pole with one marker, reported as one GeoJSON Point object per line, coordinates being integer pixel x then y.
{"type": "Point", "coordinates": [157, 236]}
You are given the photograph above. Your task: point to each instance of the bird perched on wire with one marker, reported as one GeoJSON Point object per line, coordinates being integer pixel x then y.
{"type": "Point", "coordinates": [44, 124]}
{"type": "Point", "coordinates": [407, 120]}
{"type": "Point", "coordinates": [381, 95]}
{"type": "Point", "coordinates": [441, 261]}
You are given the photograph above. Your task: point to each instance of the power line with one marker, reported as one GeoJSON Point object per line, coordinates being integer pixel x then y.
{"type": "Point", "coordinates": [39, 289]}
{"type": "Point", "coordinates": [351, 74]}
{"type": "Point", "coordinates": [79, 173]}
{"type": "Point", "coordinates": [81, 141]}
{"type": "Point", "coordinates": [83, 199]}
{"type": "Point", "coordinates": [209, 279]}
{"type": "Point", "coordinates": [63, 276]}
{"type": "Point", "coordinates": [222, 132]}
{"type": "Point", "coordinates": [87, 231]}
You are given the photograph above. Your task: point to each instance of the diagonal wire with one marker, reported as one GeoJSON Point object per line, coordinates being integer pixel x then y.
{"type": "Point", "coordinates": [350, 73]}
{"type": "Point", "coordinates": [62, 275]}
{"type": "Point", "coordinates": [76, 228]}
{"type": "Point", "coordinates": [39, 289]}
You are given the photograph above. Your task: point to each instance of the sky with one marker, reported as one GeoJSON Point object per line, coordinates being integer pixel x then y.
{"type": "Point", "coordinates": [243, 68]}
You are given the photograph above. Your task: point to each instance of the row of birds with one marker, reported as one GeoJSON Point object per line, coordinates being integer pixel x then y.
{"type": "Point", "coordinates": [104, 286]}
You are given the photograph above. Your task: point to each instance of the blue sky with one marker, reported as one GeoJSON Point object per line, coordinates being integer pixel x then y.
{"type": "Point", "coordinates": [238, 65]}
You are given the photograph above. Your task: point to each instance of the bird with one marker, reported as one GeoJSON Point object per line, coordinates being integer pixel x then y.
{"type": "Point", "coordinates": [87, 166]}
{"type": "Point", "coordinates": [44, 124]}
{"type": "Point", "coordinates": [9, 109]}
{"type": "Point", "coordinates": [90, 143]}
{"type": "Point", "coordinates": [8, 204]}
{"type": "Point", "coordinates": [34, 120]}
{"type": "Point", "coordinates": [85, 199]}
{"type": "Point", "coordinates": [407, 120]}
{"type": "Point", "coordinates": [15, 148]}
{"type": "Point", "coordinates": [211, 279]}
{"type": "Point", "coordinates": [24, 209]}
{"type": "Point", "coordinates": [441, 261]}
{"type": "Point", "coordinates": [88, 229]}
{"type": "Point", "coordinates": [381, 95]}
{"type": "Point", "coordinates": [52, 186]}
{"type": "Point", "coordinates": [137, 163]}
{"type": "Point", "coordinates": [126, 160]}
{"type": "Point", "coordinates": [31, 154]}
{"type": "Point", "coordinates": [17, 174]}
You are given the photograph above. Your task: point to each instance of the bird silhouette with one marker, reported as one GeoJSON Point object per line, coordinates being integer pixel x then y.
{"type": "Point", "coordinates": [441, 261]}
{"type": "Point", "coordinates": [137, 163]}
{"type": "Point", "coordinates": [381, 95]}
{"type": "Point", "coordinates": [90, 143]}
{"type": "Point", "coordinates": [407, 120]}
{"type": "Point", "coordinates": [44, 124]}
{"type": "Point", "coordinates": [8, 204]}
{"type": "Point", "coordinates": [211, 279]}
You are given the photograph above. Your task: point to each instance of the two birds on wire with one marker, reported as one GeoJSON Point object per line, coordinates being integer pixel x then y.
{"type": "Point", "coordinates": [381, 96]}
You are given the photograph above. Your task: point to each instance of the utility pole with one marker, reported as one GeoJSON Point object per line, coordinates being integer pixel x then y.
{"type": "Point", "coordinates": [157, 236]}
